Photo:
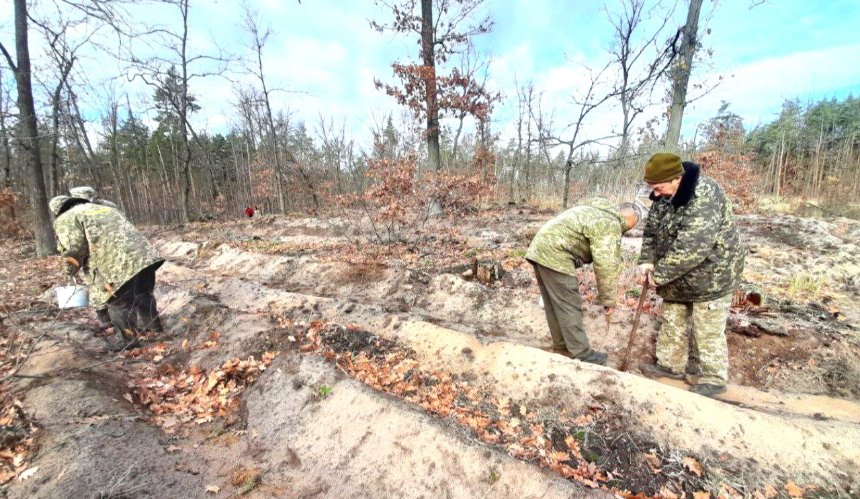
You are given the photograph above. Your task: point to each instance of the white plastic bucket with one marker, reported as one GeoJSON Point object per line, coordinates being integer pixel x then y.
{"type": "Point", "coordinates": [72, 296]}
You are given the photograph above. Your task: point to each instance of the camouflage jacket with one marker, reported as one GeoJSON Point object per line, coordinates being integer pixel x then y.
{"type": "Point", "coordinates": [590, 233]}
{"type": "Point", "coordinates": [692, 241]}
{"type": "Point", "coordinates": [108, 247]}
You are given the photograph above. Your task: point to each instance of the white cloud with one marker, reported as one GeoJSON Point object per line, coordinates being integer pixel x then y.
{"type": "Point", "coordinates": [326, 51]}
{"type": "Point", "coordinates": [757, 89]}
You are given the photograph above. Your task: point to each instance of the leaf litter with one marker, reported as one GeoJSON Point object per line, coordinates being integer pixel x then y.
{"type": "Point", "coordinates": [192, 395]}
{"type": "Point", "coordinates": [590, 447]}
{"type": "Point", "coordinates": [17, 441]}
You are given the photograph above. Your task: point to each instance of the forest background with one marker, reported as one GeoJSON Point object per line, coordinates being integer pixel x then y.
{"type": "Point", "coordinates": [181, 111]}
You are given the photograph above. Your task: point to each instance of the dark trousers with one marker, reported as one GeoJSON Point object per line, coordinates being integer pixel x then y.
{"type": "Point", "coordinates": [563, 308]}
{"type": "Point", "coordinates": [133, 307]}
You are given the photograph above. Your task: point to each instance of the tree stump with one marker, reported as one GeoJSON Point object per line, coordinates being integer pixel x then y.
{"type": "Point", "coordinates": [486, 271]}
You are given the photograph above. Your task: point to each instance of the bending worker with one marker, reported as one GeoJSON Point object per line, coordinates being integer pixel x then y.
{"type": "Point", "coordinates": [590, 233]}
{"type": "Point", "coordinates": [117, 261]}
{"type": "Point", "coordinates": [691, 248]}
{"type": "Point", "coordinates": [88, 193]}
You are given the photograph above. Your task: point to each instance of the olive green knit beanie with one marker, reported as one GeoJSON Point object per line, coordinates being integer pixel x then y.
{"type": "Point", "coordinates": [663, 167]}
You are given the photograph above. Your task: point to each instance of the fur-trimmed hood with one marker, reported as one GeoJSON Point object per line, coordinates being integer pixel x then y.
{"type": "Point", "coordinates": [687, 189]}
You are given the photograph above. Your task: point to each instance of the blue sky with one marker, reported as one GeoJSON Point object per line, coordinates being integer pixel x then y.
{"type": "Point", "coordinates": [325, 51]}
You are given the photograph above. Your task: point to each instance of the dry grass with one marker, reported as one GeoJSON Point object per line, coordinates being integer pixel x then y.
{"type": "Point", "coordinates": [246, 479]}
{"type": "Point", "coordinates": [361, 273]}
{"type": "Point", "coordinates": [806, 285]}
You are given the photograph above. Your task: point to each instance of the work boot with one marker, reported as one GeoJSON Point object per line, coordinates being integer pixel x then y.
{"type": "Point", "coordinates": [155, 326]}
{"type": "Point", "coordinates": [104, 319]}
{"type": "Point", "coordinates": [708, 390]}
{"type": "Point", "coordinates": [595, 357]}
{"type": "Point", "coordinates": [655, 371]}
{"type": "Point", "coordinates": [120, 342]}
{"type": "Point", "coordinates": [557, 350]}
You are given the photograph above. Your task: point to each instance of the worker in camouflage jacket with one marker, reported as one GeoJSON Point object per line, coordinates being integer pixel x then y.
{"type": "Point", "coordinates": [117, 262]}
{"type": "Point", "coordinates": [590, 233]}
{"type": "Point", "coordinates": [692, 252]}
{"type": "Point", "coordinates": [88, 193]}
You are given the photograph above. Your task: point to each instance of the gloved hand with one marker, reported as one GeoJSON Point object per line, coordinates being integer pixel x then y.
{"type": "Point", "coordinates": [70, 265]}
{"type": "Point", "coordinates": [646, 268]}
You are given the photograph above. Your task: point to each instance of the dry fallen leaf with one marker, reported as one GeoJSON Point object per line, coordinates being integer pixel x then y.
{"type": "Point", "coordinates": [770, 491]}
{"type": "Point", "coordinates": [701, 495]}
{"type": "Point", "coordinates": [692, 465]}
{"type": "Point", "coordinates": [212, 489]}
{"type": "Point", "coordinates": [729, 492]}
{"type": "Point", "coordinates": [793, 490]}
{"type": "Point", "coordinates": [127, 396]}
{"type": "Point", "coordinates": [27, 473]}
{"type": "Point", "coordinates": [665, 493]}
{"type": "Point", "coordinates": [653, 462]}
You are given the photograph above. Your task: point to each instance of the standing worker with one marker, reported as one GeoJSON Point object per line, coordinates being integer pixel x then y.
{"type": "Point", "coordinates": [691, 249]}
{"type": "Point", "coordinates": [590, 233]}
{"type": "Point", "coordinates": [118, 263]}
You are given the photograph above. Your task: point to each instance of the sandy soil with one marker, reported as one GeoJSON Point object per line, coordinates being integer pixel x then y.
{"type": "Point", "coordinates": [310, 427]}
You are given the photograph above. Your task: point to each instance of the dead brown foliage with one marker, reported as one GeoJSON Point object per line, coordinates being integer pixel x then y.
{"type": "Point", "coordinates": [361, 273]}
{"type": "Point", "coordinates": [10, 225]}
{"type": "Point", "coordinates": [565, 444]}
{"type": "Point", "coordinates": [734, 172]}
{"type": "Point", "coordinates": [16, 440]}
{"type": "Point", "coordinates": [194, 395]}
{"type": "Point", "coordinates": [398, 202]}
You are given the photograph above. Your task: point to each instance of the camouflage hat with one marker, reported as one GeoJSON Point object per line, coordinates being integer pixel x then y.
{"type": "Point", "coordinates": [83, 192]}
{"type": "Point", "coordinates": [56, 204]}
{"type": "Point", "coordinates": [663, 167]}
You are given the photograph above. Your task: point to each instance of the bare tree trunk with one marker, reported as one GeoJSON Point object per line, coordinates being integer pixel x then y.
{"type": "Point", "coordinates": [518, 153]}
{"type": "Point", "coordinates": [115, 166]}
{"type": "Point", "coordinates": [7, 149]}
{"type": "Point", "coordinates": [452, 163]}
{"type": "Point", "coordinates": [780, 159]}
{"type": "Point", "coordinates": [817, 168]}
{"type": "Point", "coordinates": [4, 138]}
{"type": "Point", "coordinates": [28, 135]}
{"type": "Point", "coordinates": [82, 140]}
{"type": "Point", "coordinates": [65, 67]}
{"type": "Point", "coordinates": [681, 76]}
{"type": "Point", "coordinates": [568, 166]}
{"type": "Point", "coordinates": [53, 171]}
{"type": "Point", "coordinates": [428, 44]}
{"type": "Point", "coordinates": [183, 118]}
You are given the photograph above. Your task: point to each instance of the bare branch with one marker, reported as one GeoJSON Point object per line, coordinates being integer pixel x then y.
{"type": "Point", "coordinates": [9, 60]}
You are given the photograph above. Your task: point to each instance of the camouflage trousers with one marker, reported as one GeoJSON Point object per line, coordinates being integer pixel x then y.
{"type": "Point", "coordinates": [708, 320]}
